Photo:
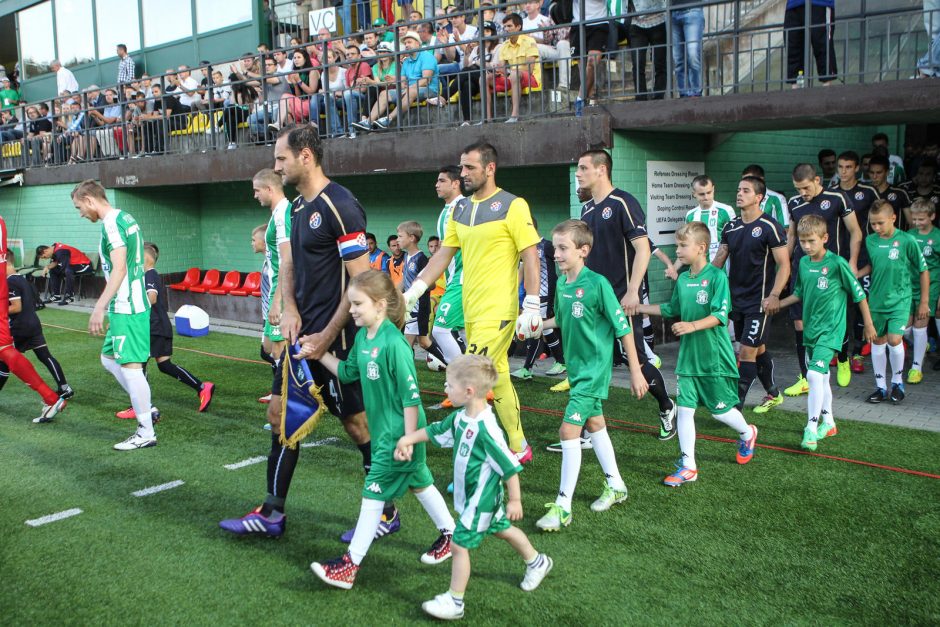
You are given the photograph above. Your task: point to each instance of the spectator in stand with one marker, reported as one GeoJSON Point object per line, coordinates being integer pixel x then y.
{"type": "Point", "coordinates": [419, 71]}
{"type": "Point", "coordinates": [9, 97]}
{"type": "Point", "coordinates": [38, 132]}
{"type": "Point", "coordinates": [108, 124]}
{"type": "Point", "coordinates": [285, 64]}
{"type": "Point", "coordinates": [490, 14]}
{"type": "Point", "coordinates": [821, 34]}
{"type": "Point", "coordinates": [303, 16]}
{"type": "Point", "coordinates": [462, 38]}
{"type": "Point", "coordinates": [382, 33]}
{"type": "Point", "coordinates": [471, 75]}
{"type": "Point", "coordinates": [896, 174]}
{"type": "Point", "coordinates": [595, 36]}
{"type": "Point", "coordinates": [330, 92]}
{"type": "Point", "coordinates": [75, 134]}
{"type": "Point", "coordinates": [519, 58]}
{"type": "Point", "coordinates": [64, 79]}
{"type": "Point", "coordinates": [221, 94]}
{"type": "Point", "coordinates": [10, 127]}
{"type": "Point", "coordinates": [383, 76]}
{"type": "Point", "coordinates": [302, 84]}
{"type": "Point", "coordinates": [649, 30]}
{"type": "Point", "coordinates": [274, 87]}
{"type": "Point", "coordinates": [370, 43]}
{"type": "Point", "coordinates": [136, 107]}
{"type": "Point", "coordinates": [687, 27]}
{"type": "Point", "coordinates": [126, 68]}
{"type": "Point", "coordinates": [358, 78]}
{"type": "Point", "coordinates": [189, 91]}
{"type": "Point", "coordinates": [416, 16]}
{"type": "Point", "coordinates": [929, 64]}
{"type": "Point", "coordinates": [553, 44]}
{"type": "Point", "coordinates": [168, 115]}
{"type": "Point", "coordinates": [244, 95]}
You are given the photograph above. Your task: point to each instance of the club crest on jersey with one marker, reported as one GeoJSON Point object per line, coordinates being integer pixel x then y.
{"type": "Point", "coordinates": [825, 270]}
{"type": "Point", "coordinates": [375, 352]}
{"type": "Point", "coordinates": [704, 282]}
{"type": "Point", "coordinates": [859, 195]}
{"type": "Point", "coordinates": [893, 254]}
{"type": "Point", "coordinates": [701, 297]}
{"type": "Point", "coordinates": [756, 231]}
{"type": "Point", "coordinates": [315, 220]}
{"type": "Point", "coordinates": [496, 206]}
{"type": "Point", "coordinates": [579, 293]}
{"type": "Point", "coordinates": [411, 266]}
{"type": "Point", "coordinates": [928, 249]}
{"type": "Point", "coordinates": [822, 283]}
{"type": "Point", "coordinates": [372, 371]}
{"type": "Point", "coordinates": [825, 204]}
{"type": "Point", "coordinates": [892, 196]}
{"type": "Point", "coordinates": [468, 433]}
{"type": "Point", "coordinates": [606, 213]}
{"type": "Point", "coordinates": [464, 449]}
{"type": "Point", "coordinates": [577, 309]}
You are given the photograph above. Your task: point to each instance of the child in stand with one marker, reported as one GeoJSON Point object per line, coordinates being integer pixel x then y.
{"type": "Point", "coordinates": [161, 337]}
{"type": "Point", "coordinates": [823, 282]}
{"type": "Point", "coordinates": [895, 263]}
{"type": "Point", "coordinates": [706, 372]}
{"type": "Point", "coordinates": [589, 317]}
{"type": "Point", "coordinates": [482, 462]}
{"type": "Point", "coordinates": [382, 361]}
{"type": "Point", "coordinates": [922, 214]}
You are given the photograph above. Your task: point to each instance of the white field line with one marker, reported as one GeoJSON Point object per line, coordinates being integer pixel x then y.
{"type": "Point", "coordinates": [36, 522]}
{"type": "Point", "coordinates": [158, 488]}
{"type": "Point", "coordinates": [246, 462]}
{"type": "Point", "coordinates": [322, 442]}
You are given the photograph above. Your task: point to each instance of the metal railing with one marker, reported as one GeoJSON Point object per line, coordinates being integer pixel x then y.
{"type": "Point", "coordinates": [737, 57]}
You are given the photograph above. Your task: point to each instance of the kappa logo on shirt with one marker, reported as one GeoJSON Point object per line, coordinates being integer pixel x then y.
{"type": "Point", "coordinates": [374, 488]}
{"type": "Point", "coordinates": [372, 371]}
{"type": "Point", "coordinates": [606, 213]}
{"type": "Point", "coordinates": [701, 297]}
{"type": "Point", "coordinates": [315, 220]}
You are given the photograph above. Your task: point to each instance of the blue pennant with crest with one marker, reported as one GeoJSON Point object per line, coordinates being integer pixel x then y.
{"type": "Point", "coordinates": [301, 403]}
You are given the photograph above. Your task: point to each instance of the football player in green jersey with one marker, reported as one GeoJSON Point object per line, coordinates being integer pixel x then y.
{"type": "Point", "coordinates": [823, 282]}
{"type": "Point", "coordinates": [895, 263]}
{"type": "Point", "coordinates": [706, 372]}
{"type": "Point", "coordinates": [483, 462]}
{"type": "Point", "coordinates": [923, 214]}
{"type": "Point", "coordinates": [127, 340]}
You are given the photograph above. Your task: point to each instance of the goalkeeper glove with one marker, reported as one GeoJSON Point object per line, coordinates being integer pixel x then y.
{"type": "Point", "coordinates": [413, 293]}
{"type": "Point", "coordinates": [529, 322]}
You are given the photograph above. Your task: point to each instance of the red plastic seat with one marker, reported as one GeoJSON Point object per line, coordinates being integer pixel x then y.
{"type": "Point", "coordinates": [229, 283]}
{"type": "Point", "coordinates": [209, 281]}
{"type": "Point", "coordinates": [252, 283]}
{"type": "Point", "coordinates": [190, 280]}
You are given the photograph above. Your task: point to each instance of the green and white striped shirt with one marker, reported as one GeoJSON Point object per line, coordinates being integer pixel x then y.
{"type": "Point", "coordinates": [454, 271]}
{"type": "Point", "coordinates": [482, 461]}
{"type": "Point", "coordinates": [278, 232]}
{"type": "Point", "coordinates": [774, 204]}
{"type": "Point", "coordinates": [715, 218]}
{"type": "Point", "coordinates": [119, 229]}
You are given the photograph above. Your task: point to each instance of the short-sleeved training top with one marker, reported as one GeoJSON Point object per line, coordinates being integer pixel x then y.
{"type": "Point", "coordinates": [589, 316]}
{"type": "Point", "coordinates": [707, 352]}
{"type": "Point", "coordinates": [895, 263]}
{"type": "Point", "coordinates": [326, 231]}
{"type": "Point", "coordinates": [491, 232]}
{"type": "Point", "coordinates": [715, 218]}
{"type": "Point", "coordinates": [454, 271]}
{"type": "Point", "coordinates": [25, 324]}
{"type": "Point", "coordinates": [616, 222]}
{"type": "Point", "coordinates": [385, 367]}
{"type": "Point", "coordinates": [928, 245]}
{"type": "Point", "coordinates": [831, 207]}
{"type": "Point", "coordinates": [824, 286]}
{"type": "Point", "coordinates": [751, 266]}
{"type": "Point", "coordinates": [159, 318]}
{"type": "Point", "coordinates": [119, 229]}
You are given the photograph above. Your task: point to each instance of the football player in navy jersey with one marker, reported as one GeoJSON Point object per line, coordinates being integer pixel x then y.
{"type": "Point", "coordinates": [621, 253]}
{"type": "Point", "coordinates": [328, 247]}
{"type": "Point", "coordinates": [755, 246]}
{"type": "Point", "coordinates": [831, 206]}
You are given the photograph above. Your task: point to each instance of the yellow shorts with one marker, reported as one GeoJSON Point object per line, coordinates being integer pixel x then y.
{"type": "Point", "coordinates": [491, 338]}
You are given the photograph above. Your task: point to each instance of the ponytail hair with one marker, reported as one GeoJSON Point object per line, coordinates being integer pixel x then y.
{"type": "Point", "coordinates": [378, 286]}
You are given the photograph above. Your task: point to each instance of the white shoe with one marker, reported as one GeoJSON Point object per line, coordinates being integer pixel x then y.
{"type": "Point", "coordinates": [609, 497]}
{"type": "Point", "coordinates": [50, 411]}
{"type": "Point", "coordinates": [534, 576]}
{"type": "Point", "coordinates": [134, 442]}
{"type": "Point", "coordinates": [657, 361]}
{"type": "Point", "coordinates": [442, 606]}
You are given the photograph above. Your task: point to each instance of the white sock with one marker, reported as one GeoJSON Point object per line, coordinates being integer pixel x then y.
{"type": "Point", "coordinates": [685, 425]}
{"type": "Point", "coordinates": [604, 450]}
{"type": "Point", "coordinates": [826, 415]}
{"type": "Point", "coordinates": [436, 507]}
{"type": "Point", "coordinates": [896, 355]}
{"type": "Point", "coordinates": [818, 382]}
{"type": "Point", "coordinates": [736, 421]}
{"type": "Point", "coordinates": [370, 515]}
{"type": "Point", "coordinates": [139, 391]}
{"type": "Point", "coordinates": [879, 362]}
{"type": "Point", "coordinates": [115, 369]}
{"type": "Point", "coordinates": [920, 347]}
{"type": "Point", "coordinates": [447, 343]}
{"type": "Point", "coordinates": [650, 355]}
{"type": "Point", "coordinates": [570, 468]}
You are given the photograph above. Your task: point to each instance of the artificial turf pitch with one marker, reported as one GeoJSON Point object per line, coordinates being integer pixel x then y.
{"type": "Point", "coordinates": [787, 538]}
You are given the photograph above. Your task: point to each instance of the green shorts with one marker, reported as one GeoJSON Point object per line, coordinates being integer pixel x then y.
{"type": "Point", "coordinates": [581, 407]}
{"type": "Point", "coordinates": [387, 485]}
{"type": "Point", "coordinates": [931, 301]}
{"type": "Point", "coordinates": [272, 332]}
{"type": "Point", "coordinates": [472, 539]}
{"type": "Point", "coordinates": [818, 358]}
{"type": "Point", "coordinates": [127, 340]}
{"type": "Point", "coordinates": [450, 310]}
{"type": "Point", "coordinates": [716, 394]}
{"type": "Point", "coordinates": [889, 323]}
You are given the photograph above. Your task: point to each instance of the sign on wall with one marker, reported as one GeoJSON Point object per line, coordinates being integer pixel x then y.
{"type": "Point", "coordinates": [669, 197]}
{"type": "Point", "coordinates": [324, 18]}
